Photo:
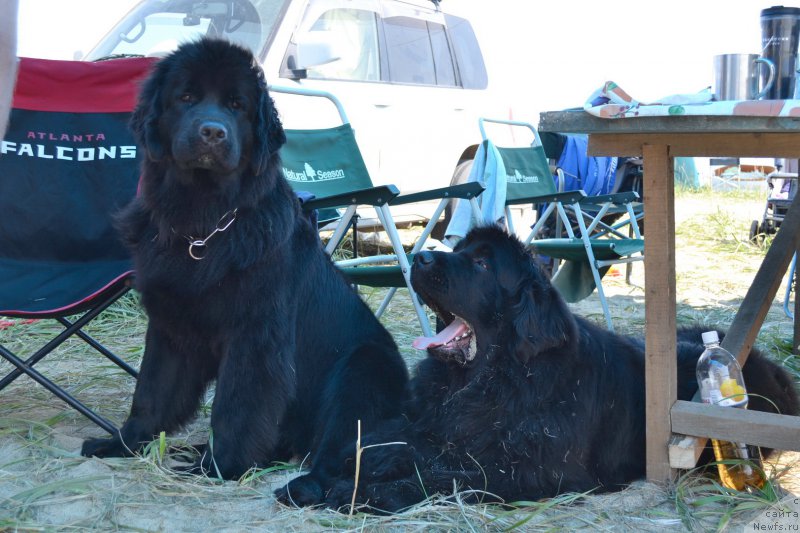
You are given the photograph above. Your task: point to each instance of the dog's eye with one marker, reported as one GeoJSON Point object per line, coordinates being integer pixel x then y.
{"type": "Point", "coordinates": [236, 104]}
{"type": "Point", "coordinates": [481, 263]}
{"type": "Point", "coordinates": [185, 97]}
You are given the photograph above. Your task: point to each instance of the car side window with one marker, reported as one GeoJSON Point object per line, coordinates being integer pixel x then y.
{"type": "Point", "coordinates": [442, 56]}
{"type": "Point", "coordinates": [357, 42]}
{"type": "Point", "coordinates": [471, 67]}
{"type": "Point", "coordinates": [408, 48]}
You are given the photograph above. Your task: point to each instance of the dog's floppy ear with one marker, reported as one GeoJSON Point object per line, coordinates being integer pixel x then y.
{"type": "Point", "coordinates": [541, 318]}
{"type": "Point", "coordinates": [145, 117]}
{"type": "Point", "coordinates": [268, 134]}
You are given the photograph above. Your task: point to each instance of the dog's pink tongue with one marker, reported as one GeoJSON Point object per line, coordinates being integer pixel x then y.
{"type": "Point", "coordinates": [456, 328]}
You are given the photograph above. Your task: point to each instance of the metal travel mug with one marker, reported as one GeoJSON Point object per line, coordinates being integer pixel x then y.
{"type": "Point", "coordinates": [780, 36]}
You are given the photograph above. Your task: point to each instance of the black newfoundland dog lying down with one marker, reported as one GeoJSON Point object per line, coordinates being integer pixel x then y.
{"type": "Point", "coordinates": [518, 398]}
{"type": "Point", "coordinates": [237, 287]}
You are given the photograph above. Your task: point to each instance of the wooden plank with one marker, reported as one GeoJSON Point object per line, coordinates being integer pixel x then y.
{"type": "Point", "coordinates": [781, 432]}
{"type": "Point", "coordinates": [629, 144]}
{"type": "Point", "coordinates": [659, 273]}
{"type": "Point", "coordinates": [684, 451]}
{"type": "Point", "coordinates": [579, 121]}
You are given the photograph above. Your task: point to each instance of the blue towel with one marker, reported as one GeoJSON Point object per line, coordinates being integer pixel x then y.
{"type": "Point", "coordinates": [486, 167]}
{"type": "Point", "coordinates": [592, 175]}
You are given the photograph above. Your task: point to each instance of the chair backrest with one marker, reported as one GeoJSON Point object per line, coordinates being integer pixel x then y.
{"type": "Point", "coordinates": [527, 172]}
{"type": "Point", "coordinates": [324, 161]}
{"type": "Point", "coordinates": [68, 163]}
{"type": "Point", "coordinates": [527, 168]}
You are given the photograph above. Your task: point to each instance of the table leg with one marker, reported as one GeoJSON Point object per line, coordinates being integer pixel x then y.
{"type": "Point", "coordinates": [660, 307]}
{"type": "Point", "coordinates": [796, 308]}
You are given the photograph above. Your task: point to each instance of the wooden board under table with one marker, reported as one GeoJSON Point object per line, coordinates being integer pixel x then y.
{"type": "Point", "coordinates": [658, 140]}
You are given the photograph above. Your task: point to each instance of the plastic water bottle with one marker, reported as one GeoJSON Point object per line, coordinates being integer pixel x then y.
{"type": "Point", "coordinates": [719, 377]}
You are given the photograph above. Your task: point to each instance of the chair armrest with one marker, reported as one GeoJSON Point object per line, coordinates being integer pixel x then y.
{"type": "Point", "coordinates": [463, 190]}
{"type": "Point", "coordinates": [375, 196]}
{"type": "Point", "coordinates": [616, 198]}
{"type": "Point", "coordinates": [566, 197]}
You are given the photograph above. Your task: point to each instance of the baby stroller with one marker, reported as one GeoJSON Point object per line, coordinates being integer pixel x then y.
{"type": "Point", "coordinates": [782, 190]}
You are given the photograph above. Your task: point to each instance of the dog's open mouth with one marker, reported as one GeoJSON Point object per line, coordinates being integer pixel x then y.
{"type": "Point", "coordinates": [456, 343]}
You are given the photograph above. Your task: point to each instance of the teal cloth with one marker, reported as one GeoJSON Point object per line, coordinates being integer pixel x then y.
{"type": "Point", "coordinates": [686, 173]}
{"type": "Point", "coordinates": [487, 165]}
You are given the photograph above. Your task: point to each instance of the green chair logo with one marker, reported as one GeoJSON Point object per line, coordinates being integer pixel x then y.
{"type": "Point", "coordinates": [518, 177]}
{"type": "Point", "coordinates": [309, 173]}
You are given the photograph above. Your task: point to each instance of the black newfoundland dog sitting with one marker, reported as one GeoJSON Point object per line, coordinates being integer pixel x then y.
{"type": "Point", "coordinates": [237, 287]}
{"type": "Point", "coordinates": [518, 398]}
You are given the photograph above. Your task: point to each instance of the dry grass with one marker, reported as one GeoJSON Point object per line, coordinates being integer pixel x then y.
{"type": "Point", "coordinates": [45, 485]}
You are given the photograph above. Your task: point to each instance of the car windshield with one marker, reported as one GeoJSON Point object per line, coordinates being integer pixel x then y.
{"type": "Point", "coordinates": [156, 27]}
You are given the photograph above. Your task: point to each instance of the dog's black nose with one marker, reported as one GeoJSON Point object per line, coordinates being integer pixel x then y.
{"type": "Point", "coordinates": [213, 132]}
{"type": "Point", "coordinates": [424, 258]}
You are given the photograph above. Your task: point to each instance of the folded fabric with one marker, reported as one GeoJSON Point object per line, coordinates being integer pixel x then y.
{"type": "Point", "coordinates": [487, 168]}
{"type": "Point", "coordinates": [574, 279]}
{"type": "Point", "coordinates": [610, 101]}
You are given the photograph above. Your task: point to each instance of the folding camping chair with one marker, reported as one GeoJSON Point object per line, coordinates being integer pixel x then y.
{"type": "Point", "coordinates": [593, 246]}
{"type": "Point", "coordinates": [327, 163]}
{"type": "Point", "coordinates": [67, 163]}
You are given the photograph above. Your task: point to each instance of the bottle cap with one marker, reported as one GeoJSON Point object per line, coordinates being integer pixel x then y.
{"type": "Point", "coordinates": [710, 337]}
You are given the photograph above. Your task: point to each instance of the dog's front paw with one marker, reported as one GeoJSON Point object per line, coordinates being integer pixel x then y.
{"type": "Point", "coordinates": [378, 498]}
{"type": "Point", "coordinates": [208, 465]}
{"type": "Point", "coordinates": [302, 491]}
{"type": "Point", "coordinates": [105, 447]}
{"type": "Point", "coordinates": [340, 497]}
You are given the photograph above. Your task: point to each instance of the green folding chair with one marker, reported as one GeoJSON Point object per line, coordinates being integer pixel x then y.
{"type": "Point", "coordinates": [327, 163]}
{"type": "Point", "coordinates": [591, 248]}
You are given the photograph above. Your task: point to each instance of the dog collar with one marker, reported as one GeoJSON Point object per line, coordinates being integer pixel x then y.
{"type": "Point", "coordinates": [197, 246]}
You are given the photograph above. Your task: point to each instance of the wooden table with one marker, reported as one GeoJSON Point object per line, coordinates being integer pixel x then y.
{"type": "Point", "coordinates": [658, 140]}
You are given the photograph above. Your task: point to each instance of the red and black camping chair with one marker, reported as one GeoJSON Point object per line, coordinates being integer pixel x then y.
{"type": "Point", "coordinates": [67, 163]}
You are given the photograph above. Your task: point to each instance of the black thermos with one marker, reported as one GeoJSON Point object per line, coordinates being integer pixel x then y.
{"type": "Point", "coordinates": [780, 36]}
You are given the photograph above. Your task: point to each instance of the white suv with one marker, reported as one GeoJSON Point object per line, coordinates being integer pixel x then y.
{"type": "Point", "coordinates": [411, 77]}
